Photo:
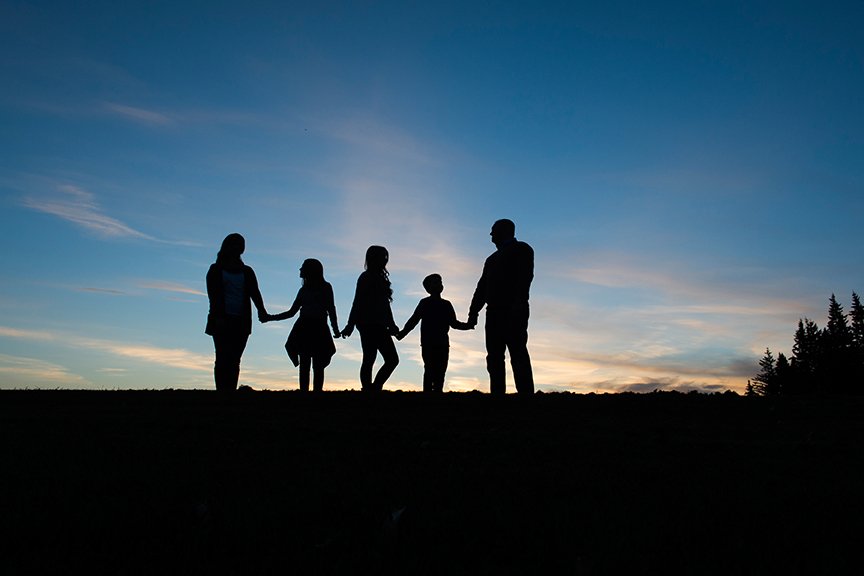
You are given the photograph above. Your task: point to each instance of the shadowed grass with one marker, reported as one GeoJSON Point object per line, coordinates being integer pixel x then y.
{"type": "Point", "coordinates": [266, 483]}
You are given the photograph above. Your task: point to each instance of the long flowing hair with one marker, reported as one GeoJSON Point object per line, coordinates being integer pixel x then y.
{"type": "Point", "coordinates": [229, 254]}
{"type": "Point", "coordinates": [312, 272]}
{"type": "Point", "coordinates": [376, 263]}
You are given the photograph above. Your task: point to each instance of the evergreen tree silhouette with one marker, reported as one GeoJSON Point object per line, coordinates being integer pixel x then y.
{"type": "Point", "coordinates": [856, 320]}
{"type": "Point", "coordinates": [765, 382]}
{"type": "Point", "coordinates": [856, 317]}
{"type": "Point", "coordinates": [824, 361]}
{"type": "Point", "coordinates": [805, 358]}
{"type": "Point", "coordinates": [782, 376]}
{"type": "Point", "coordinates": [837, 349]}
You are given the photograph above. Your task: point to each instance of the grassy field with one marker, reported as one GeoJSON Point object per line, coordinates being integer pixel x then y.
{"type": "Point", "coordinates": [343, 483]}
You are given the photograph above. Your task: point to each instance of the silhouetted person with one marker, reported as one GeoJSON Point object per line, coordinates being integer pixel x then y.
{"type": "Point", "coordinates": [372, 316]}
{"type": "Point", "coordinates": [310, 344]}
{"type": "Point", "coordinates": [232, 288]}
{"type": "Point", "coordinates": [503, 288]}
{"type": "Point", "coordinates": [437, 316]}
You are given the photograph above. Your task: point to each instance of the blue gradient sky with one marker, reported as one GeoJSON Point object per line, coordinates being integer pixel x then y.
{"type": "Point", "coordinates": [690, 174]}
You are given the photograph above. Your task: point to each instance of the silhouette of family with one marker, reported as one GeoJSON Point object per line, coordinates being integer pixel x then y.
{"type": "Point", "coordinates": [503, 289]}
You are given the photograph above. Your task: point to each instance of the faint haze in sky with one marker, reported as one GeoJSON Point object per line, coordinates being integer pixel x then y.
{"type": "Point", "coordinates": [690, 175]}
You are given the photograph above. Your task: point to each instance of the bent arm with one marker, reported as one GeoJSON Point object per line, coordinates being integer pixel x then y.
{"type": "Point", "coordinates": [454, 322]}
{"type": "Point", "coordinates": [295, 307]}
{"type": "Point", "coordinates": [412, 321]}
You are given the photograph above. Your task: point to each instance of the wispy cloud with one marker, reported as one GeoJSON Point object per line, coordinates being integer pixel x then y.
{"type": "Point", "coordinates": [19, 372]}
{"type": "Point", "coordinates": [170, 287]}
{"type": "Point", "coordinates": [370, 136]}
{"type": "Point", "coordinates": [108, 291]}
{"type": "Point", "coordinates": [170, 357]}
{"type": "Point", "coordinates": [699, 286]}
{"type": "Point", "coordinates": [80, 207]}
{"type": "Point", "coordinates": [23, 334]}
{"type": "Point", "coordinates": [139, 115]}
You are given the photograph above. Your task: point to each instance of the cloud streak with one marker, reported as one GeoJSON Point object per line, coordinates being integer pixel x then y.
{"type": "Point", "coordinates": [174, 287]}
{"type": "Point", "coordinates": [23, 372]}
{"type": "Point", "coordinates": [139, 115]}
{"type": "Point", "coordinates": [23, 334]}
{"type": "Point", "coordinates": [79, 207]}
{"type": "Point", "coordinates": [169, 357]}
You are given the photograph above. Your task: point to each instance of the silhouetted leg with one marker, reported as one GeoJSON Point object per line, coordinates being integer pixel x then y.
{"type": "Point", "coordinates": [442, 368]}
{"type": "Point", "coordinates": [391, 359]}
{"type": "Point", "coordinates": [428, 368]}
{"type": "Point", "coordinates": [434, 367]}
{"type": "Point", "coordinates": [520, 361]}
{"type": "Point", "coordinates": [318, 365]}
{"type": "Point", "coordinates": [496, 344]}
{"type": "Point", "coordinates": [427, 378]}
{"type": "Point", "coordinates": [369, 345]}
{"type": "Point", "coordinates": [305, 365]}
{"type": "Point", "coordinates": [229, 346]}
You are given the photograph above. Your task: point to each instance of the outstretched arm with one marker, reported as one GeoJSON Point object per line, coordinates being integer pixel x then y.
{"type": "Point", "coordinates": [410, 324]}
{"type": "Point", "coordinates": [295, 307]}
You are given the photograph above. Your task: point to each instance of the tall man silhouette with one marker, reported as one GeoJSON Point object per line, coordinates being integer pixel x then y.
{"type": "Point", "coordinates": [503, 288]}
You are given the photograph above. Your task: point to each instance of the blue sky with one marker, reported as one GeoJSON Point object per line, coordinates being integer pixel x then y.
{"type": "Point", "coordinates": [689, 174]}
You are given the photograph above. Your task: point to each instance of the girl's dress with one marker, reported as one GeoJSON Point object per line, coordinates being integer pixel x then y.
{"type": "Point", "coordinates": [310, 336]}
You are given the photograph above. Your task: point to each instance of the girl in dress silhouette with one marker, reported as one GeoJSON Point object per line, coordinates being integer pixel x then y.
{"type": "Point", "coordinates": [231, 288]}
{"type": "Point", "coordinates": [372, 316]}
{"type": "Point", "coordinates": [310, 344]}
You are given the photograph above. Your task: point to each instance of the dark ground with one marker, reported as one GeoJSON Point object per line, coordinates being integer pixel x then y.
{"type": "Point", "coordinates": [184, 482]}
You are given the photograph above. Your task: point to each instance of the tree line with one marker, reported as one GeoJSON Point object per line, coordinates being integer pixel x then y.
{"type": "Point", "coordinates": [827, 360]}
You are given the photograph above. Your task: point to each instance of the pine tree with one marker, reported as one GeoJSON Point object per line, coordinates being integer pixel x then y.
{"type": "Point", "coordinates": [856, 319]}
{"type": "Point", "coordinates": [805, 358]}
{"type": "Point", "coordinates": [782, 376]}
{"type": "Point", "coordinates": [766, 380]}
{"type": "Point", "coordinates": [837, 349]}
{"type": "Point", "coordinates": [837, 330]}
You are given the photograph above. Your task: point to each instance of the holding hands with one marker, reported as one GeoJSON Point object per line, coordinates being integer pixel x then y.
{"type": "Point", "coordinates": [265, 317]}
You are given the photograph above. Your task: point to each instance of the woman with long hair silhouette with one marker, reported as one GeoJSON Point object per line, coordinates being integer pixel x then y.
{"type": "Point", "coordinates": [310, 344]}
{"type": "Point", "coordinates": [232, 288]}
{"type": "Point", "coordinates": [372, 316]}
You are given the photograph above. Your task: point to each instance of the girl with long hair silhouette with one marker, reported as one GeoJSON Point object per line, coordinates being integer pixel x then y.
{"type": "Point", "coordinates": [232, 288]}
{"type": "Point", "coordinates": [310, 344]}
{"type": "Point", "coordinates": [372, 316]}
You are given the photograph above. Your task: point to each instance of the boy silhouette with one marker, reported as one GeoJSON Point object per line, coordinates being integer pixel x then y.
{"type": "Point", "coordinates": [438, 317]}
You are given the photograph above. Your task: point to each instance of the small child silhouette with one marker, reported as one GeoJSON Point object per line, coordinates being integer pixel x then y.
{"type": "Point", "coordinates": [438, 317]}
{"type": "Point", "coordinates": [309, 344]}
